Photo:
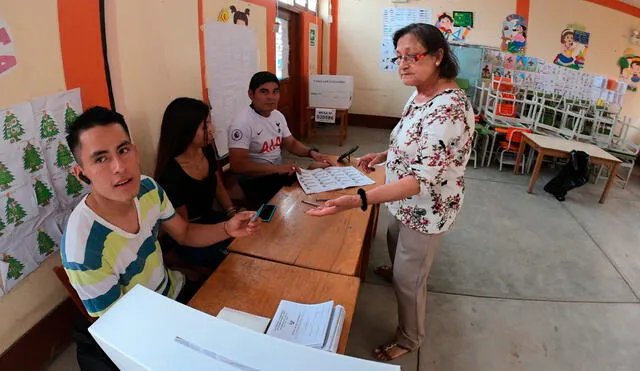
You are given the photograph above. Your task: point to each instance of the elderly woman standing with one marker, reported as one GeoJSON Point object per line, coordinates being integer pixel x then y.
{"type": "Point", "coordinates": [428, 151]}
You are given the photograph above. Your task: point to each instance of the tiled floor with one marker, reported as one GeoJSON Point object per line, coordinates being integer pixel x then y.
{"type": "Point", "coordinates": [524, 282]}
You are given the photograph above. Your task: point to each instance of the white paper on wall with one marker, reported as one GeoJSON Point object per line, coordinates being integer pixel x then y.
{"type": "Point", "coordinates": [393, 20]}
{"type": "Point", "coordinates": [231, 59]}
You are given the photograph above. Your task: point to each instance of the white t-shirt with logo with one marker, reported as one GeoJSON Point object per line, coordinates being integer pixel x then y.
{"type": "Point", "coordinates": [262, 136]}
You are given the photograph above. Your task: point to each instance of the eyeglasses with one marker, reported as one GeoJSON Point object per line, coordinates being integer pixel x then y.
{"type": "Point", "coordinates": [410, 58]}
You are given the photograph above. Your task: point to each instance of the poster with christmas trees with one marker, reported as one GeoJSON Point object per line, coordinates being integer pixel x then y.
{"type": "Point", "coordinates": [16, 124]}
{"type": "Point", "coordinates": [37, 189]}
{"type": "Point", "coordinates": [63, 107]}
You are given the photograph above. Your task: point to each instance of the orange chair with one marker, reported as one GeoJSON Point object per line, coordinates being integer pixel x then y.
{"type": "Point", "coordinates": [64, 279]}
{"type": "Point", "coordinates": [511, 145]}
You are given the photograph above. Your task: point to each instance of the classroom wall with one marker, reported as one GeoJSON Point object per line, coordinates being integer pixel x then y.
{"type": "Point", "coordinates": [381, 93]}
{"type": "Point", "coordinates": [610, 30]}
{"type": "Point", "coordinates": [360, 33]}
{"type": "Point", "coordinates": [34, 28]}
{"type": "Point", "coordinates": [39, 71]}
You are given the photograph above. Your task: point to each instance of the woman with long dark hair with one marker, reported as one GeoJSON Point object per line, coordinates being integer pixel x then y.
{"type": "Point", "coordinates": [186, 169]}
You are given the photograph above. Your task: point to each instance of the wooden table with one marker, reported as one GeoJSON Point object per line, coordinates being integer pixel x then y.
{"type": "Point", "coordinates": [558, 147]}
{"type": "Point", "coordinates": [336, 243]}
{"type": "Point", "coordinates": [341, 114]}
{"type": "Point", "coordinates": [256, 286]}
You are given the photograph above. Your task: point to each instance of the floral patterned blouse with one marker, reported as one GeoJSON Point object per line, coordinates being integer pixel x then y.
{"type": "Point", "coordinates": [432, 142]}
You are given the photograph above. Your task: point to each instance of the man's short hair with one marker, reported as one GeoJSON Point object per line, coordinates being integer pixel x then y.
{"type": "Point", "coordinates": [94, 116]}
{"type": "Point", "coordinates": [261, 78]}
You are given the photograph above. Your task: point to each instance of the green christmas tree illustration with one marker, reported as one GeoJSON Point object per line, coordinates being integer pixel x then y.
{"type": "Point", "coordinates": [14, 211]}
{"type": "Point", "coordinates": [73, 186]}
{"type": "Point", "coordinates": [43, 193]}
{"type": "Point", "coordinates": [63, 156]}
{"type": "Point", "coordinates": [15, 266]}
{"type": "Point", "coordinates": [2, 227]}
{"type": "Point", "coordinates": [5, 177]}
{"type": "Point", "coordinates": [12, 127]}
{"type": "Point", "coordinates": [48, 127]}
{"type": "Point", "coordinates": [45, 243]}
{"type": "Point", "coordinates": [32, 160]}
{"type": "Point", "coordinates": [69, 116]}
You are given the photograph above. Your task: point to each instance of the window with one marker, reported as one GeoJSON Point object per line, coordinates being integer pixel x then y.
{"type": "Point", "coordinates": [302, 3]}
{"type": "Point", "coordinates": [282, 49]}
{"type": "Point", "coordinates": [312, 5]}
{"type": "Point", "coordinates": [288, 2]}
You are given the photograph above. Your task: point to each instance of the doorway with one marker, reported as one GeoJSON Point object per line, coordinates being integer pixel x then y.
{"type": "Point", "coordinates": [288, 52]}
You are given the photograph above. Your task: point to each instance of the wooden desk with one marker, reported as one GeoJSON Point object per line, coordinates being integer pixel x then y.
{"type": "Point", "coordinates": [558, 147]}
{"type": "Point", "coordinates": [256, 286]}
{"type": "Point", "coordinates": [341, 114]}
{"type": "Point", "coordinates": [336, 243]}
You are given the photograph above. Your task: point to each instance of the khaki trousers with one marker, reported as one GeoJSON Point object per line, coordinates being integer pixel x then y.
{"type": "Point", "coordinates": [411, 254]}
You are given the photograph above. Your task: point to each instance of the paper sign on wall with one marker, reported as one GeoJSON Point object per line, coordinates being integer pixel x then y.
{"type": "Point", "coordinates": [325, 115]}
{"type": "Point", "coordinates": [514, 34]}
{"type": "Point", "coordinates": [393, 20]}
{"type": "Point", "coordinates": [231, 61]}
{"type": "Point", "coordinates": [7, 51]}
{"type": "Point", "coordinates": [629, 65]}
{"type": "Point", "coordinates": [455, 27]}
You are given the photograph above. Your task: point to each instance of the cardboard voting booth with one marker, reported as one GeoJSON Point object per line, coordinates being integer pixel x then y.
{"type": "Point", "coordinates": [147, 331]}
{"type": "Point", "coordinates": [330, 91]}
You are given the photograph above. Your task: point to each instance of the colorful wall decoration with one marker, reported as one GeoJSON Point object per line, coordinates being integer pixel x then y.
{"type": "Point", "coordinates": [455, 26]}
{"type": "Point", "coordinates": [629, 65]}
{"type": "Point", "coordinates": [7, 51]}
{"type": "Point", "coordinates": [234, 15]}
{"type": "Point", "coordinates": [574, 42]}
{"type": "Point", "coordinates": [514, 34]}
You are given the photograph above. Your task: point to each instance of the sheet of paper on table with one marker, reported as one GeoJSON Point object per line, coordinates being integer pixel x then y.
{"type": "Point", "coordinates": [332, 178]}
{"type": "Point", "coordinates": [146, 331]}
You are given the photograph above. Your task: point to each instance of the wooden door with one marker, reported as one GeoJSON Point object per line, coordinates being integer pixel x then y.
{"type": "Point", "coordinates": [289, 103]}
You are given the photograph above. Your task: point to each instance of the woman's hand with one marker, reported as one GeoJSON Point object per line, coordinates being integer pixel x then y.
{"type": "Point", "coordinates": [336, 205]}
{"type": "Point", "coordinates": [367, 162]}
{"type": "Point", "coordinates": [239, 225]}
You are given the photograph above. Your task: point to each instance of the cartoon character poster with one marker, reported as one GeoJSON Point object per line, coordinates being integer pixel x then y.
{"type": "Point", "coordinates": [629, 65]}
{"type": "Point", "coordinates": [574, 41]}
{"type": "Point", "coordinates": [455, 26]}
{"type": "Point", "coordinates": [235, 15]}
{"type": "Point", "coordinates": [509, 61]}
{"type": "Point", "coordinates": [514, 34]}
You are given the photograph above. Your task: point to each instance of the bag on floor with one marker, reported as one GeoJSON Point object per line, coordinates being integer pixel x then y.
{"type": "Point", "coordinates": [573, 174]}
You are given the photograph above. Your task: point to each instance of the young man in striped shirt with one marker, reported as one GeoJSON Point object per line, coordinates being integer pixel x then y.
{"type": "Point", "coordinates": [110, 243]}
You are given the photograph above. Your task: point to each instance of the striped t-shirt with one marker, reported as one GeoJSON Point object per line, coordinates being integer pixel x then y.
{"type": "Point", "coordinates": [103, 262]}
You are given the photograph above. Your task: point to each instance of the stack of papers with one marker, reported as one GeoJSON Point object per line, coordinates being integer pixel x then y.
{"type": "Point", "coordinates": [332, 178]}
{"type": "Point", "coordinates": [315, 325]}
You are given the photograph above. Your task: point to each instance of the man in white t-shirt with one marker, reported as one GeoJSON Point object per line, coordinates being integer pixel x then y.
{"type": "Point", "coordinates": [256, 137]}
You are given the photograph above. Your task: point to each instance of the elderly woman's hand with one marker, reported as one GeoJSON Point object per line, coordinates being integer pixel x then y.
{"type": "Point", "coordinates": [367, 162]}
{"type": "Point", "coordinates": [336, 205]}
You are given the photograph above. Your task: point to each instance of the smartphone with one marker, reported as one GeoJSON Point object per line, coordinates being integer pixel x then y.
{"type": "Point", "coordinates": [348, 153]}
{"type": "Point", "coordinates": [265, 212]}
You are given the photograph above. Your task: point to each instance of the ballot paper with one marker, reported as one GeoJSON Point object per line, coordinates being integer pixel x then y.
{"type": "Point", "coordinates": [332, 178]}
{"type": "Point", "coordinates": [244, 319]}
{"type": "Point", "coordinates": [315, 325]}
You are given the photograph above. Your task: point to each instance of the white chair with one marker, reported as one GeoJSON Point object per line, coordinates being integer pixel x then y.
{"type": "Point", "coordinates": [625, 146]}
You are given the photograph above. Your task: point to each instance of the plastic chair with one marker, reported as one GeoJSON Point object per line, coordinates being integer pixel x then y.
{"type": "Point", "coordinates": [511, 146]}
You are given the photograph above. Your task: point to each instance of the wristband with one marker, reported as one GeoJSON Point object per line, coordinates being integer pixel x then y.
{"type": "Point", "coordinates": [363, 197]}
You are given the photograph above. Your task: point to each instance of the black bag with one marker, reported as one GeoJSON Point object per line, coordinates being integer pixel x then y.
{"type": "Point", "coordinates": [574, 173]}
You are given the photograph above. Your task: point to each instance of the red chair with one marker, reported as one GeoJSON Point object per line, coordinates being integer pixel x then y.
{"type": "Point", "coordinates": [511, 145]}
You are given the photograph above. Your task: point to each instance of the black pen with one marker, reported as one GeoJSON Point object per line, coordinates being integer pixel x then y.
{"type": "Point", "coordinates": [310, 203]}
{"type": "Point", "coordinates": [322, 199]}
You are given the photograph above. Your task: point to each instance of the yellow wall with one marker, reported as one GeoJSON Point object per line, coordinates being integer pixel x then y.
{"type": "Point", "coordinates": [154, 57]}
{"type": "Point", "coordinates": [34, 30]}
{"type": "Point", "coordinates": [609, 37]}
{"type": "Point", "coordinates": [359, 35]}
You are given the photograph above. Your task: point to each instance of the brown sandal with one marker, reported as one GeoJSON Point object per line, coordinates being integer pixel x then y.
{"type": "Point", "coordinates": [385, 271]}
{"type": "Point", "coordinates": [389, 352]}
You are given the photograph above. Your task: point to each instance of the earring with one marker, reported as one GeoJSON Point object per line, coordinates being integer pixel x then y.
{"type": "Point", "coordinates": [437, 63]}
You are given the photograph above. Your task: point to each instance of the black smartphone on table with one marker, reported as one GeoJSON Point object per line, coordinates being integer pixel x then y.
{"type": "Point", "coordinates": [266, 211]}
{"type": "Point", "coordinates": [347, 154]}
